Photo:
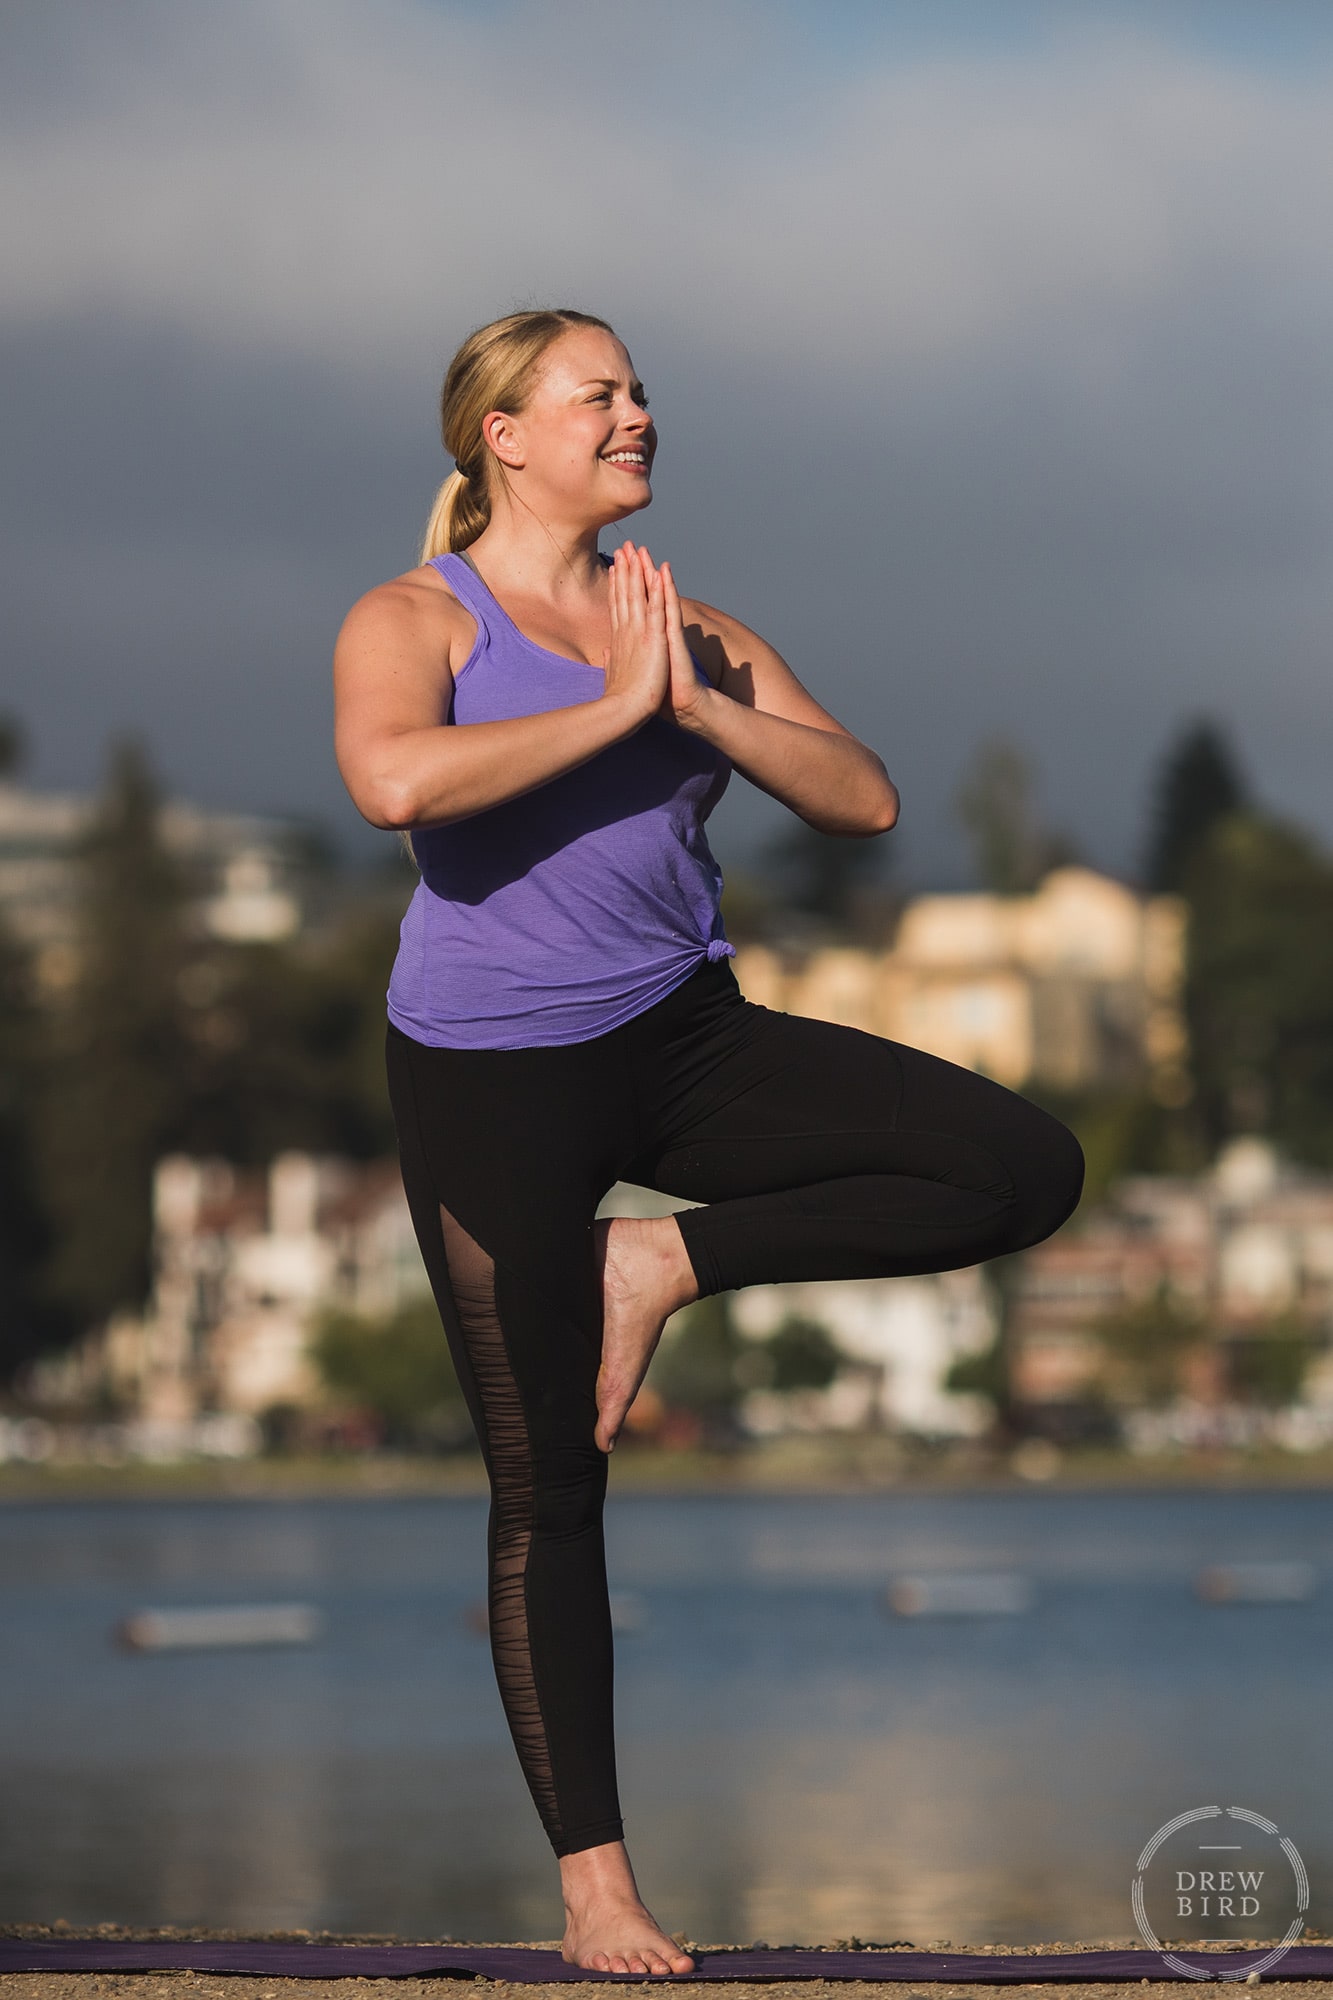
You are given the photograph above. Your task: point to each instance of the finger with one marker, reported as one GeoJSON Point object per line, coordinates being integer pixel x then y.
{"type": "Point", "coordinates": [635, 587]}
{"type": "Point", "coordinates": [671, 596]}
{"type": "Point", "coordinates": [617, 592]}
{"type": "Point", "coordinates": [682, 660]}
{"type": "Point", "coordinates": [636, 596]}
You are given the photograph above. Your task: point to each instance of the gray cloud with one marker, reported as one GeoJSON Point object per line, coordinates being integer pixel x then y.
{"type": "Point", "coordinates": [994, 388]}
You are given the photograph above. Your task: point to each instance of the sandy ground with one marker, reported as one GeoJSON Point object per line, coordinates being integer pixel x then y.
{"type": "Point", "coordinates": [213, 1986]}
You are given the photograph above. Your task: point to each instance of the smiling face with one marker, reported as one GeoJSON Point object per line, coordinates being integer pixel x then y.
{"type": "Point", "coordinates": [582, 446]}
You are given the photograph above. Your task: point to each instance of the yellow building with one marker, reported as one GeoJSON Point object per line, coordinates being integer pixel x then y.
{"type": "Point", "coordinates": [1075, 986]}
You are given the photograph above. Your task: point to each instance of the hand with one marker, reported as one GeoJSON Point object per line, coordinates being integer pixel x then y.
{"type": "Point", "coordinates": [687, 694]}
{"type": "Point", "coordinates": [684, 694]}
{"type": "Point", "coordinates": [638, 665]}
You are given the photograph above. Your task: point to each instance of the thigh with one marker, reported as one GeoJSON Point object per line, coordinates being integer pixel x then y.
{"type": "Point", "coordinates": [505, 1155]}
{"type": "Point", "coordinates": [785, 1101]}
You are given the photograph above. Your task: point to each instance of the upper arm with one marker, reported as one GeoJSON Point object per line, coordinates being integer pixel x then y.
{"type": "Point", "coordinates": [393, 669]}
{"type": "Point", "coordinates": [742, 665]}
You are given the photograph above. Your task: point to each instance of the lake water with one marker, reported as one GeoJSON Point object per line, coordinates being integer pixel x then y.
{"type": "Point", "coordinates": [797, 1765]}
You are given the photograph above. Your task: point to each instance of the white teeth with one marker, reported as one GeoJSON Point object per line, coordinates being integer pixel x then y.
{"type": "Point", "coordinates": [625, 458]}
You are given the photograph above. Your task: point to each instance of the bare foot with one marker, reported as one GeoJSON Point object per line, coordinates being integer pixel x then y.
{"type": "Point", "coordinates": [646, 1276]}
{"type": "Point", "coordinates": [607, 1928]}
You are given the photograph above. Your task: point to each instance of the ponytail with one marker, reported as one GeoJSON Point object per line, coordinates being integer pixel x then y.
{"type": "Point", "coordinates": [456, 518]}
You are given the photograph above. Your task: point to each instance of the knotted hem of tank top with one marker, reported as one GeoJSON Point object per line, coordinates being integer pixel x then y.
{"type": "Point", "coordinates": [718, 949]}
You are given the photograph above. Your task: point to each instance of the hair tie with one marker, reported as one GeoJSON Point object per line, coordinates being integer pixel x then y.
{"type": "Point", "coordinates": [461, 470]}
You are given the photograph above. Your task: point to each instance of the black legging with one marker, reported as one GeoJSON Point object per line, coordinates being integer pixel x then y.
{"type": "Point", "coordinates": [822, 1153]}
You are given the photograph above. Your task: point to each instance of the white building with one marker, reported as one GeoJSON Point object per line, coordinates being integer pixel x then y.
{"type": "Point", "coordinates": [901, 1335]}
{"type": "Point", "coordinates": [243, 1264]}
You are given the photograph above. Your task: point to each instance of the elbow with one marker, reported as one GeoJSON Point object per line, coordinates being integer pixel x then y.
{"type": "Point", "coordinates": [879, 815]}
{"type": "Point", "coordinates": [387, 804]}
{"type": "Point", "coordinates": [886, 812]}
{"type": "Point", "coordinates": [399, 809]}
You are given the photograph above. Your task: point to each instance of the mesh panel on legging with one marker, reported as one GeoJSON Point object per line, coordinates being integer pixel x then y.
{"type": "Point", "coordinates": [509, 1452]}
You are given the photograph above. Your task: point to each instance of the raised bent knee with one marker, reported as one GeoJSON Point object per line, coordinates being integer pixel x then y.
{"type": "Point", "coordinates": [1050, 1180]}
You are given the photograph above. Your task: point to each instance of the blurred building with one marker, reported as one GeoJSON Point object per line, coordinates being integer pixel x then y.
{"type": "Point", "coordinates": [241, 871]}
{"type": "Point", "coordinates": [243, 1262]}
{"type": "Point", "coordinates": [1077, 986]}
{"type": "Point", "coordinates": [1248, 1248]}
{"type": "Point", "coordinates": [899, 1338]}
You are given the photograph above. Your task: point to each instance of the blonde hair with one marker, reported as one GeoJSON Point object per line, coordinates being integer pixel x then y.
{"type": "Point", "coordinates": [494, 369]}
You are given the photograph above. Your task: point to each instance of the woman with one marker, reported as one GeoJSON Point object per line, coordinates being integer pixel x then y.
{"type": "Point", "coordinates": [553, 730]}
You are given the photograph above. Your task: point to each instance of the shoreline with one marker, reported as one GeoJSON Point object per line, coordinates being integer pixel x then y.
{"type": "Point", "coordinates": [808, 1467]}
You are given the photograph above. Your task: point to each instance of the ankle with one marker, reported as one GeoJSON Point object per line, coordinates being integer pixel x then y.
{"type": "Point", "coordinates": [684, 1285]}
{"type": "Point", "coordinates": [596, 1872]}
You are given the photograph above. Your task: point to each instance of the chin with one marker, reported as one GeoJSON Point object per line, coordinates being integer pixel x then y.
{"type": "Point", "coordinates": [633, 504]}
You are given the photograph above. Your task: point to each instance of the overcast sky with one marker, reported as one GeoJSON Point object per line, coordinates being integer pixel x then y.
{"type": "Point", "coordinates": [989, 344]}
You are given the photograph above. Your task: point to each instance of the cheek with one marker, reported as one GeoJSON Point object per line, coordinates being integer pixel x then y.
{"type": "Point", "coordinates": [584, 438]}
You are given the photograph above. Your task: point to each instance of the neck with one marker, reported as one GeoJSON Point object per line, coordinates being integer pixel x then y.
{"type": "Point", "coordinates": [548, 558]}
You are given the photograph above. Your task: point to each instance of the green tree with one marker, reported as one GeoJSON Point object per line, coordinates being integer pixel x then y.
{"type": "Point", "coordinates": [832, 877]}
{"type": "Point", "coordinates": [24, 1228]}
{"type": "Point", "coordinates": [114, 1060]}
{"type": "Point", "coordinates": [1198, 784]}
{"type": "Point", "coordinates": [285, 1043]}
{"type": "Point", "coordinates": [1145, 1343]}
{"type": "Point", "coordinates": [1269, 1365]}
{"type": "Point", "coordinates": [801, 1355]}
{"type": "Point", "coordinates": [13, 745]}
{"type": "Point", "coordinates": [399, 1368]}
{"type": "Point", "coordinates": [996, 802]}
{"type": "Point", "coordinates": [1259, 986]}
{"type": "Point", "coordinates": [982, 1374]}
{"type": "Point", "coordinates": [696, 1366]}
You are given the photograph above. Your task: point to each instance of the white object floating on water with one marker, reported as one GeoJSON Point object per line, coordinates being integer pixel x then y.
{"type": "Point", "coordinates": [954, 1594]}
{"type": "Point", "coordinates": [194, 1629]}
{"type": "Point", "coordinates": [1256, 1583]}
{"type": "Point", "coordinates": [628, 1611]}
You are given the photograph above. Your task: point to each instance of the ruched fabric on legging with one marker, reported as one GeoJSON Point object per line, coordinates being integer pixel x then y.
{"type": "Point", "coordinates": [818, 1151]}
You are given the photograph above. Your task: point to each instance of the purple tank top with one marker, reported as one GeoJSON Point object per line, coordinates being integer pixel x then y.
{"type": "Point", "coordinates": [558, 915]}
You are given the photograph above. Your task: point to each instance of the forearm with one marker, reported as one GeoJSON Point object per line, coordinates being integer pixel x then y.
{"type": "Point", "coordinates": [833, 782]}
{"type": "Point", "coordinates": [430, 777]}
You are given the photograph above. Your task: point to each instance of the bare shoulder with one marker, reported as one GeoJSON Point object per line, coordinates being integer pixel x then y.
{"type": "Point", "coordinates": [415, 613]}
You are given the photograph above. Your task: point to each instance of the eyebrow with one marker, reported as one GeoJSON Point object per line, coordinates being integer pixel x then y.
{"type": "Point", "coordinates": [608, 382]}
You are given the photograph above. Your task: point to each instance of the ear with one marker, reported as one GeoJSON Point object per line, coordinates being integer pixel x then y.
{"type": "Point", "coordinates": [503, 434]}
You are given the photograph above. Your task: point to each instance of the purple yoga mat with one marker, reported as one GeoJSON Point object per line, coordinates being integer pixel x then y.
{"type": "Point", "coordinates": [291, 1959]}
